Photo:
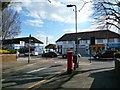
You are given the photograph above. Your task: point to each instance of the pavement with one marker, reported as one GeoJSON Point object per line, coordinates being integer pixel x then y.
{"type": "Point", "coordinates": [94, 75]}
{"type": "Point", "coordinates": [97, 74]}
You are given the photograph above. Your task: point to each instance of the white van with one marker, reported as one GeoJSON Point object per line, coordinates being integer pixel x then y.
{"type": "Point", "coordinates": [38, 50]}
{"type": "Point", "coordinates": [34, 50]}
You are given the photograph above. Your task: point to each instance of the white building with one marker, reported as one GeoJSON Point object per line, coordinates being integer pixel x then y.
{"type": "Point", "coordinates": [20, 42]}
{"type": "Point", "coordinates": [23, 44]}
{"type": "Point", "coordinates": [104, 39]}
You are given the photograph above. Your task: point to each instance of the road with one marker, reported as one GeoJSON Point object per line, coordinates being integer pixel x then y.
{"type": "Point", "coordinates": [51, 73]}
{"type": "Point", "coordinates": [30, 75]}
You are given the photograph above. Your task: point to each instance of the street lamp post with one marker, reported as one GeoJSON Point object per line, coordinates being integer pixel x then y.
{"type": "Point", "coordinates": [76, 56]}
{"type": "Point", "coordinates": [75, 15]}
{"type": "Point", "coordinates": [29, 49]}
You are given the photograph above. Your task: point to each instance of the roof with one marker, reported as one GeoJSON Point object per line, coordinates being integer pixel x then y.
{"type": "Point", "coordinates": [50, 46]}
{"type": "Point", "coordinates": [26, 39]}
{"type": "Point", "coordinates": [101, 34]}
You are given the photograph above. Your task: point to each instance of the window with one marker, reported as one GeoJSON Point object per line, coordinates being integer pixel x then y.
{"type": "Point", "coordinates": [111, 40]}
{"type": "Point", "coordinates": [32, 44]}
{"type": "Point", "coordinates": [118, 40]}
{"type": "Point", "coordinates": [64, 42]}
{"type": "Point", "coordinates": [100, 41]}
{"type": "Point", "coordinates": [70, 42]}
{"type": "Point", "coordinates": [83, 41]}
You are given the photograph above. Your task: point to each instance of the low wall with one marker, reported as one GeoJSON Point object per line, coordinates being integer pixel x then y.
{"type": "Point", "coordinates": [8, 57]}
{"type": "Point", "coordinates": [117, 66]}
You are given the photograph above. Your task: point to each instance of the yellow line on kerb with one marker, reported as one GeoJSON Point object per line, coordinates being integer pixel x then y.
{"type": "Point", "coordinates": [39, 82]}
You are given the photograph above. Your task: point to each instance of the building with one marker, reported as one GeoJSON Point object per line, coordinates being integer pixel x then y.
{"type": "Point", "coordinates": [23, 44]}
{"type": "Point", "coordinates": [51, 47]}
{"type": "Point", "coordinates": [103, 39]}
{"type": "Point", "coordinates": [17, 43]}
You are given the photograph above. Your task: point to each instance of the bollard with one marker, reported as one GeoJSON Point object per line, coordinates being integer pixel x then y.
{"type": "Point", "coordinates": [69, 62]}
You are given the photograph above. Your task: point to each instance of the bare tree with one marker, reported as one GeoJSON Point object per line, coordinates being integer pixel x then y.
{"type": "Point", "coordinates": [4, 5]}
{"type": "Point", "coordinates": [107, 14]}
{"type": "Point", "coordinates": [10, 23]}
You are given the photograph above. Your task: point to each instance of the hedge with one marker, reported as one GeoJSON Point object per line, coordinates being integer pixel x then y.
{"type": "Point", "coordinates": [117, 55]}
{"type": "Point", "coordinates": [12, 51]}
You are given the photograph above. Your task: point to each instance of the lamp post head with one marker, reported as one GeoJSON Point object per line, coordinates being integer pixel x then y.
{"type": "Point", "coordinates": [70, 5]}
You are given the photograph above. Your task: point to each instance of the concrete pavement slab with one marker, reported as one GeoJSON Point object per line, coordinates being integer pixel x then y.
{"type": "Point", "coordinates": [98, 74]}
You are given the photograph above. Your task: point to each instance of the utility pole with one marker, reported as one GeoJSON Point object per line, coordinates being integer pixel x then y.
{"type": "Point", "coordinates": [29, 49]}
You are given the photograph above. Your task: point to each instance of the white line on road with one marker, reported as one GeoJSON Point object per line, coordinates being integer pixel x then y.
{"type": "Point", "coordinates": [60, 61]}
{"type": "Point", "coordinates": [2, 80]}
{"type": "Point", "coordinates": [37, 70]}
{"type": "Point", "coordinates": [20, 67]}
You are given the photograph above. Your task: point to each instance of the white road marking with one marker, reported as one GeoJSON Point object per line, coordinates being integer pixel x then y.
{"type": "Point", "coordinates": [2, 80]}
{"type": "Point", "coordinates": [60, 61]}
{"type": "Point", "coordinates": [37, 70]}
{"type": "Point", "coordinates": [20, 67]}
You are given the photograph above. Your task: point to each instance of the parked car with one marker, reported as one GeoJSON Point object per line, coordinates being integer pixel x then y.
{"type": "Point", "coordinates": [105, 54]}
{"type": "Point", "coordinates": [49, 54]}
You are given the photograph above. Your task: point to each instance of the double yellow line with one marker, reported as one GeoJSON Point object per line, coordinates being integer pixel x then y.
{"type": "Point", "coordinates": [42, 81]}
{"type": "Point", "coordinates": [39, 82]}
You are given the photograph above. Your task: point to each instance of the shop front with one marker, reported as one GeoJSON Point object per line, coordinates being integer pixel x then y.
{"type": "Point", "coordinates": [96, 48]}
{"type": "Point", "coordinates": [115, 46]}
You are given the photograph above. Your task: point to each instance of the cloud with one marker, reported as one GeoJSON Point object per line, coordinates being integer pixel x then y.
{"type": "Point", "coordinates": [57, 10]}
{"type": "Point", "coordinates": [56, 17]}
{"type": "Point", "coordinates": [42, 37]}
{"type": "Point", "coordinates": [35, 23]}
{"type": "Point", "coordinates": [69, 0]}
{"type": "Point", "coordinates": [71, 30]}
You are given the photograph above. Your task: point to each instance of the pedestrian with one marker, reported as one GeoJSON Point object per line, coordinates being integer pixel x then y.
{"type": "Point", "coordinates": [79, 55]}
{"type": "Point", "coordinates": [17, 53]}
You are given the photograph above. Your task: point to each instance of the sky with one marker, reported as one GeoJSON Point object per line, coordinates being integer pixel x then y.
{"type": "Point", "coordinates": [52, 19]}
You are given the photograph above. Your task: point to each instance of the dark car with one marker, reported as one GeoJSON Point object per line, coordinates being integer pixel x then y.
{"type": "Point", "coordinates": [49, 54]}
{"type": "Point", "coordinates": [105, 54]}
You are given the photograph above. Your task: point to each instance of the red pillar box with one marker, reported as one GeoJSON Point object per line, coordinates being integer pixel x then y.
{"type": "Point", "coordinates": [69, 62]}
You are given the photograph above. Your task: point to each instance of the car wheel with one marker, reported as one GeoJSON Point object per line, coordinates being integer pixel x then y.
{"type": "Point", "coordinates": [97, 57]}
{"type": "Point", "coordinates": [52, 56]}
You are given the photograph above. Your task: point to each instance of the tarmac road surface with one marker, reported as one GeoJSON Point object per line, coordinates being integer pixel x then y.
{"type": "Point", "coordinates": [51, 73]}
